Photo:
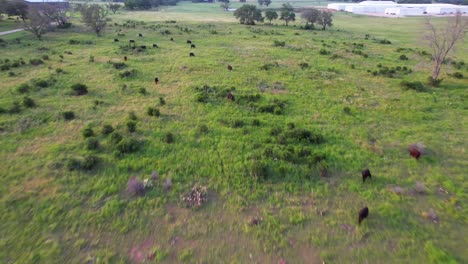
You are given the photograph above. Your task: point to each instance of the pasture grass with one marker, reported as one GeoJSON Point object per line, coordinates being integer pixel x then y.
{"type": "Point", "coordinates": [285, 150]}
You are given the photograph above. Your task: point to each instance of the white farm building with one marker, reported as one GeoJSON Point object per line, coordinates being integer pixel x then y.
{"type": "Point", "coordinates": [393, 8]}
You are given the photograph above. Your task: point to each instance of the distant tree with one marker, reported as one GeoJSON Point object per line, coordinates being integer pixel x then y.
{"type": "Point", "coordinates": [271, 15]}
{"type": "Point", "coordinates": [311, 16]}
{"type": "Point", "coordinates": [287, 13]}
{"type": "Point", "coordinates": [242, 1]}
{"type": "Point", "coordinates": [56, 14]}
{"type": "Point", "coordinates": [248, 14]}
{"type": "Point", "coordinates": [225, 5]}
{"type": "Point", "coordinates": [442, 40]}
{"type": "Point", "coordinates": [113, 7]}
{"type": "Point", "coordinates": [38, 23]}
{"type": "Point", "coordinates": [94, 16]}
{"type": "Point", "coordinates": [264, 2]}
{"type": "Point", "coordinates": [17, 8]}
{"type": "Point", "coordinates": [223, 1]}
{"type": "Point", "coordinates": [325, 19]}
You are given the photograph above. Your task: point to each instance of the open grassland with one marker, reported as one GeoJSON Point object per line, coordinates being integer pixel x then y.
{"type": "Point", "coordinates": [309, 114]}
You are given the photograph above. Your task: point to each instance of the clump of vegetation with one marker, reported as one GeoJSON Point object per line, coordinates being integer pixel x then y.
{"type": "Point", "coordinates": [28, 102]}
{"type": "Point", "coordinates": [196, 197]}
{"type": "Point", "coordinates": [169, 138]}
{"type": "Point", "coordinates": [303, 65]}
{"type": "Point", "coordinates": [434, 82]}
{"type": "Point", "coordinates": [324, 52]}
{"type": "Point", "coordinates": [131, 126]}
{"type": "Point", "coordinates": [36, 62]}
{"type": "Point", "coordinates": [128, 73]}
{"type": "Point", "coordinates": [278, 43]}
{"type": "Point", "coordinates": [275, 107]}
{"type": "Point", "coordinates": [115, 138]}
{"type": "Point", "coordinates": [15, 108]}
{"type": "Point", "coordinates": [132, 116]}
{"type": "Point", "coordinates": [162, 101]}
{"type": "Point", "coordinates": [88, 163]}
{"type": "Point", "coordinates": [59, 70]}
{"type": "Point", "coordinates": [87, 132]}
{"type": "Point", "coordinates": [107, 129]}
{"type": "Point", "coordinates": [458, 75]}
{"type": "Point", "coordinates": [23, 88]}
{"type": "Point", "coordinates": [92, 143]}
{"type": "Point", "coordinates": [135, 187]}
{"type": "Point", "coordinates": [416, 86]}
{"type": "Point", "coordinates": [127, 145]}
{"type": "Point", "coordinates": [118, 65]}
{"type": "Point", "coordinates": [269, 66]}
{"type": "Point", "coordinates": [79, 89]}
{"type": "Point", "coordinates": [142, 91]}
{"type": "Point", "coordinates": [43, 83]}
{"type": "Point", "coordinates": [403, 57]}
{"type": "Point", "coordinates": [153, 111]}
{"type": "Point", "coordinates": [202, 129]}
{"type": "Point", "coordinates": [68, 115]}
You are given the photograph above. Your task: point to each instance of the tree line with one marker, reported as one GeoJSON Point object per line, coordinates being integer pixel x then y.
{"type": "Point", "coordinates": [249, 14]}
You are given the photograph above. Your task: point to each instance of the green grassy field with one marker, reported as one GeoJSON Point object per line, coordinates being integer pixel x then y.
{"type": "Point", "coordinates": [307, 117]}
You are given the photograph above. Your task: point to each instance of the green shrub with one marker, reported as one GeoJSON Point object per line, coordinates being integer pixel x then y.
{"type": "Point", "coordinates": [68, 115]}
{"type": "Point", "coordinates": [127, 146]}
{"type": "Point", "coordinates": [417, 86]}
{"type": "Point", "coordinates": [107, 129]}
{"type": "Point", "coordinates": [324, 52]}
{"type": "Point", "coordinates": [92, 143]}
{"type": "Point", "coordinates": [303, 65]}
{"type": "Point", "coordinates": [131, 126]}
{"type": "Point", "coordinates": [45, 57]}
{"type": "Point", "coordinates": [23, 88]}
{"type": "Point", "coordinates": [79, 89]}
{"type": "Point", "coordinates": [403, 57]}
{"type": "Point", "coordinates": [115, 138]}
{"type": "Point", "coordinates": [169, 138]}
{"type": "Point", "coordinates": [28, 102]}
{"type": "Point", "coordinates": [59, 70]}
{"type": "Point", "coordinates": [153, 111]}
{"type": "Point", "coordinates": [89, 162]}
{"type": "Point", "coordinates": [278, 43]}
{"type": "Point", "coordinates": [434, 83]}
{"type": "Point", "coordinates": [87, 132]}
{"type": "Point", "coordinates": [202, 129]}
{"type": "Point", "coordinates": [142, 90]}
{"type": "Point", "coordinates": [15, 108]}
{"type": "Point", "coordinates": [128, 73]}
{"type": "Point", "coordinates": [118, 65]}
{"type": "Point", "coordinates": [256, 122]}
{"type": "Point", "coordinates": [36, 62]}
{"type": "Point", "coordinates": [162, 101]}
{"type": "Point", "coordinates": [458, 75]}
{"type": "Point", "coordinates": [132, 116]}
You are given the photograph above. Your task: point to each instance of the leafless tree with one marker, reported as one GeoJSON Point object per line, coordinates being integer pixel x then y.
{"type": "Point", "coordinates": [56, 14]}
{"type": "Point", "coordinates": [442, 40]}
{"type": "Point", "coordinates": [38, 23]}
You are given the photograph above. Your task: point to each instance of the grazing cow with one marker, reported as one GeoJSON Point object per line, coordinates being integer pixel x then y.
{"type": "Point", "coordinates": [189, 42]}
{"type": "Point", "coordinates": [140, 35]}
{"type": "Point", "coordinates": [172, 39]}
{"type": "Point", "coordinates": [156, 80]}
{"type": "Point", "coordinates": [155, 46]}
{"type": "Point", "coordinates": [132, 41]}
{"type": "Point", "coordinates": [116, 40]}
{"type": "Point", "coordinates": [230, 96]}
{"type": "Point", "coordinates": [229, 67]}
{"type": "Point", "coordinates": [363, 214]}
{"type": "Point", "coordinates": [416, 150]}
{"type": "Point", "coordinates": [366, 174]}
{"type": "Point", "coordinates": [125, 58]}
{"type": "Point", "coordinates": [143, 46]}
{"type": "Point", "coordinates": [192, 54]}
{"type": "Point", "coordinates": [192, 46]}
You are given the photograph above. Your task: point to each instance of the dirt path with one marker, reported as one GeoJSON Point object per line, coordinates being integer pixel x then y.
{"type": "Point", "coordinates": [10, 31]}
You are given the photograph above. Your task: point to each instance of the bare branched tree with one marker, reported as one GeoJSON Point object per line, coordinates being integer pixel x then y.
{"type": "Point", "coordinates": [442, 40]}
{"type": "Point", "coordinates": [94, 16]}
{"type": "Point", "coordinates": [38, 23]}
{"type": "Point", "coordinates": [56, 14]}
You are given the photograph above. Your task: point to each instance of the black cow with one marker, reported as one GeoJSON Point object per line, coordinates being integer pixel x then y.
{"type": "Point", "coordinates": [143, 46]}
{"type": "Point", "coordinates": [230, 96]}
{"type": "Point", "coordinates": [366, 174]}
{"type": "Point", "coordinates": [172, 39]}
{"type": "Point", "coordinates": [192, 54]}
{"type": "Point", "coordinates": [140, 35]}
{"type": "Point", "coordinates": [155, 46]}
{"type": "Point", "coordinates": [363, 214]}
{"type": "Point", "coordinates": [125, 58]}
{"type": "Point", "coordinates": [132, 41]}
{"type": "Point", "coordinates": [192, 46]}
{"type": "Point", "coordinates": [229, 67]}
{"type": "Point", "coordinates": [156, 80]}
{"type": "Point", "coordinates": [116, 40]}
{"type": "Point", "coordinates": [189, 42]}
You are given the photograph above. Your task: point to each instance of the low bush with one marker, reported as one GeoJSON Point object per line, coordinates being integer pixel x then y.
{"type": "Point", "coordinates": [127, 74]}
{"type": "Point", "coordinates": [118, 65]}
{"type": "Point", "coordinates": [28, 102]}
{"type": "Point", "coordinates": [169, 138]}
{"type": "Point", "coordinates": [403, 57]}
{"type": "Point", "coordinates": [79, 89]}
{"type": "Point", "coordinates": [277, 43]}
{"type": "Point", "coordinates": [115, 138]}
{"type": "Point", "coordinates": [202, 129]}
{"type": "Point", "coordinates": [15, 108]}
{"type": "Point", "coordinates": [68, 115]}
{"type": "Point", "coordinates": [303, 65]}
{"type": "Point", "coordinates": [131, 126]}
{"type": "Point", "coordinates": [23, 88]}
{"type": "Point", "coordinates": [87, 132]}
{"type": "Point", "coordinates": [153, 111]}
{"type": "Point", "coordinates": [324, 52]}
{"type": "Point", "coordinates": [458, 75]}
{"type": "Point", "coordinates": [162, 101]}
{"type": "Point", "coordinates": [127, 146]}
{"type": "Point", "coordinates": [132, 116]}
{"type": "Point", "coordinates": [92, 144]}
{"type": "Point", "coordinates": [142, 91]}
{"type": "Point", "coordinates": [107, 129]}
{"type": "Point", "coordinates": [36, 62]}
{"type": "Point", "coordinates": [135, 187]}
{"type": "Point", "coordinates": [416, 86]}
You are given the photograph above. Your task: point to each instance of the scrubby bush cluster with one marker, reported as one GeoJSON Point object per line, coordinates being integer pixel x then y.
{"type": "Point", "coordinates": [196, 197]}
